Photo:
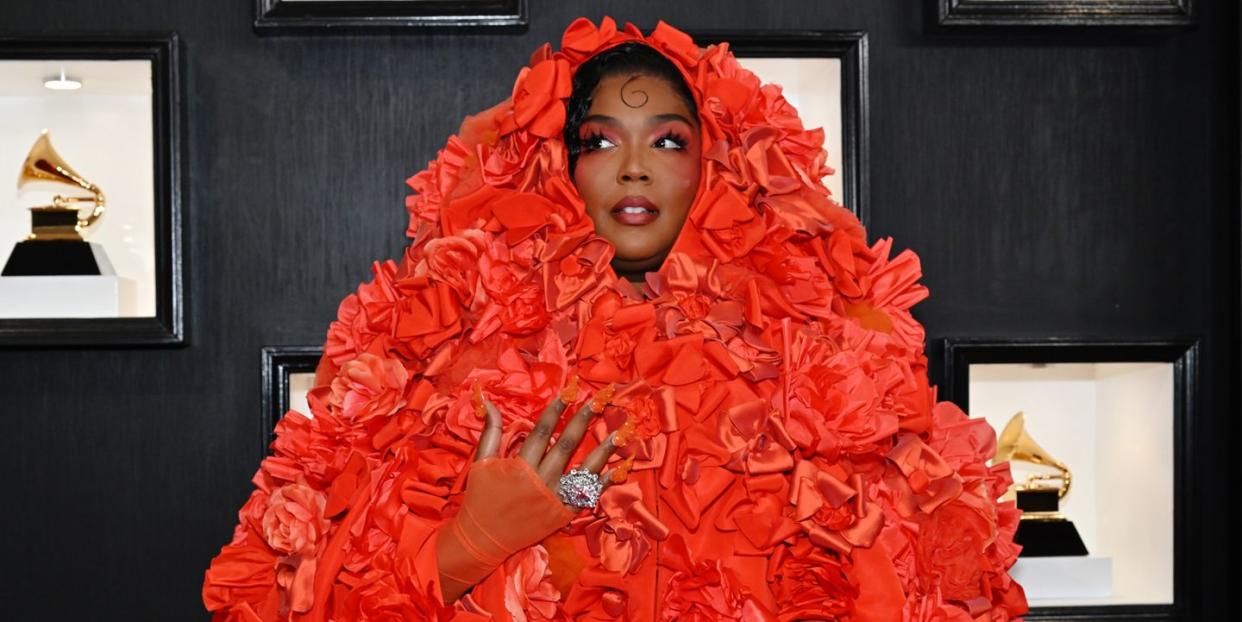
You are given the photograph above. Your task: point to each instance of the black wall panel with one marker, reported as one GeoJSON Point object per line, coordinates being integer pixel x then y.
{"type": "Point", "coordinates": [1070, 183]}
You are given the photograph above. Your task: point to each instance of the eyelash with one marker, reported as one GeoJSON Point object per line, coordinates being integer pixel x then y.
{"type": "Point", "coordinates": [590, 141]}
{"type": "Point", "coordinates": [675, 138]}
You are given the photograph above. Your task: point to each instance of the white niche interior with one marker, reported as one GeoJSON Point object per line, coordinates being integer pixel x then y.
{"type": "Point", "coordinates": [1112, 425]}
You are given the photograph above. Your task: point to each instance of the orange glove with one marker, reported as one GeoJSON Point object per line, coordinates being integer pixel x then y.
{"type": "Point", "coordinates": [507, 508]}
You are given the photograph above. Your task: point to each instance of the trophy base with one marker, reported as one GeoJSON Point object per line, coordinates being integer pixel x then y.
{"type": "Point", "coordinates": [1049, 538]}
{"type": "Point", "coordinates": [57, 258]}
{"type": "Point", "coordinates": [68, 296]}
{"type": "Point", "coordinates": [1054, 580]}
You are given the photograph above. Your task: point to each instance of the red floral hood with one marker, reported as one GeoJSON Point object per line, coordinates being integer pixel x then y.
{"type": "Point", "coordinates": [773, 361]}
{"type": "Point", "coordinates": [505, 175]}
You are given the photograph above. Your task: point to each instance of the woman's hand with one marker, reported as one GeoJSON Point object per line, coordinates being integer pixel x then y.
{"type": "Point", "coordinates": [549, 464]}
{"type": "Point", "coordinates": [511, 503]}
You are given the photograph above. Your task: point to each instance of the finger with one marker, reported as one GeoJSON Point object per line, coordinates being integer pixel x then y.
{"type": "Point", "coordinates": [537, 441]}
{"type": "Point", "coordinates": [599, 456]}
{"type": "Point", "coordinates": [493, 426]}
{"type": "Point", "coordinates": [553, 465]}
{"type": "Point", "coordinates": [618, 474]}
{"type": "Point", "coordinates": [605, 480]}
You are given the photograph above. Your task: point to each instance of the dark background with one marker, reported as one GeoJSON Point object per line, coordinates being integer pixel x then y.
{"type": "Point", "coordinates": [1056, 184]}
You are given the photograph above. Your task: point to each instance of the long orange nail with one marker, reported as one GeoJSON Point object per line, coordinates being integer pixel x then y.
{"type": "Point", "coordinates": [476, 398]}
{"type": "Point", "coordinates": [570, 393]}
{"type": "Point", "coordinates": [622, 472]}
{"type": "Point", "coordinates": [603, 398]}
{"type": "Point", "coordinates": [625, 432]}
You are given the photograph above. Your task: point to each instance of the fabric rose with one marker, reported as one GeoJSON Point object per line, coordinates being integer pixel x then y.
{"type": "Point", "coordinates": [609, 341]}
{"type": "Point", "coordinates": [877, 292]}
{"type": "Point", "coordinates": [311, 449]}
{"type": "Point", "coordinates": [454, 261]}
{"type": "Point", "coordinates": [503, 268]}
{"type": "Point", "coordinates": [757, 439]}
{"type": "Point", "coordinates": [758, 511]}
{"type": "Point", "coordinates": [523, 311]}
{"type": "Point", "coordinates": [931, 480]}
{"type": "Point", "coordinates": [241, 584]}
{"type": "Point", "coordinates": [346, 338]}
{"type": "Point", "coordinates": [836, 397]}
{"type": "Point", "coordinates": [706, 591]}
{"type": "Point", "coordinates": [438, 183]}
{"type": "Point", "coordinates": [810, 583]}
{"type": "Point", "coordinates": [730, 228]}
{"type": "Point", "coordinates": [365, 318]}
{"type": "Point", "coordinates": [483, 129]}
{"type": "Point", "coordinates": [505, 164]}
{"type": "Point", "coordinates": [583, 38]}
{"type": "Point", "coordinates": [428, 315]}
{"type": "Point", "coordinates": [649, 417]}
{"type": "Point", "coordinates": [523, 161]}
{"type": "Point", "coordinates": [538, 98]}
{"type": "Point", "coordinates": [294, 521]}
{"type": "Point", "coordinates": [628, 531]}
{"type": "Point", "coordinates": [574, 275]}
{"type": "Point", "coordinates": [834, 507]}
{"type": "Point", "coordinates": [365, 388]}
{"type": "Point", "coordinates": [796, 274]}
{"type": "Point", "coordinates": [951, 550]}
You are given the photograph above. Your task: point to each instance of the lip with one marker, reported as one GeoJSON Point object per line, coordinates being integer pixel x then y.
{"type": "Point", "coordinates": [633, 218]}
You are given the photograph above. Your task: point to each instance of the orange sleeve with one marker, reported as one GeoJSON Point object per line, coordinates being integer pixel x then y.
{"type": "Point", "coordinates": [507, 508]}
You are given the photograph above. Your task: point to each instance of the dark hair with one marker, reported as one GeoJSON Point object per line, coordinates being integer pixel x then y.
{"type": "Point", "coordinates": [627, 58]}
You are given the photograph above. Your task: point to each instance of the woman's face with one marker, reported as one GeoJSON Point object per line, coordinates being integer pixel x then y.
{"type": "Point", "coordinates": [639, 167]}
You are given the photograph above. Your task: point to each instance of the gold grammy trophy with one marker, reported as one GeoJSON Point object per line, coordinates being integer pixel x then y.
{"type": "Point", "coordinates": [1043, 530]}
{"type": "Point", "coordinates": [55, 245]}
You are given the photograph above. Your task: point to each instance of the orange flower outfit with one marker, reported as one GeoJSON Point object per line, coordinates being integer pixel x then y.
{"type": "Point", "coordinates": [789, 459]}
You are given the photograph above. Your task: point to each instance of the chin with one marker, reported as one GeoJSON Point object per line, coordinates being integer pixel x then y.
{"type": "Point", "coordinates": [631, 245]}
{"type": "Point", "coordinates": [638, 260]}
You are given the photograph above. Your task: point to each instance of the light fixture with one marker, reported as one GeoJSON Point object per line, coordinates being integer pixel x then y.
{"type": "Point", "coordinates": [62, 83]}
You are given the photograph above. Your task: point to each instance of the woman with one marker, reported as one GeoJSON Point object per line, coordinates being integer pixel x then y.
{"type": "Point", "coordinates": [639, 233]}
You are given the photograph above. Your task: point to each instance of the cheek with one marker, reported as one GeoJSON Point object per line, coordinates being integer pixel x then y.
{"type": "Point", "coordinates": [684, 175]}
{"type": "Point", "coordinates": [587, 178]}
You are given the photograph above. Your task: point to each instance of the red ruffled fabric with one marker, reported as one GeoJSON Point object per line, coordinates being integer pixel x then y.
{"type": "Point", "coordinates": [790, 460]}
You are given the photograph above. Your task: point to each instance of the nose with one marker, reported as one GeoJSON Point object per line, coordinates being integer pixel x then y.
{"type": "Point", "coordinates": [634, 168]}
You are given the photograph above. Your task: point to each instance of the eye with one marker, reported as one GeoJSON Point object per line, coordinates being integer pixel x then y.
{"type": "Point", "coordinates": [596, 141]}
{"type": "Point", "coordinates": [670, 140]}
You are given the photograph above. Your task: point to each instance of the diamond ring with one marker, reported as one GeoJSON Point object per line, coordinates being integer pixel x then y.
{"type": "Point", "coordinates": [580, 489]}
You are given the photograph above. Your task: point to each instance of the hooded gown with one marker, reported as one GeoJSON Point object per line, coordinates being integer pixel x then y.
{"type": "Point", "coordinates": [790, 460]}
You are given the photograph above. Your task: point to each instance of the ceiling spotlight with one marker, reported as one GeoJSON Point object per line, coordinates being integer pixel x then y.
{"type": "Point", "coordinates": [62, 83]}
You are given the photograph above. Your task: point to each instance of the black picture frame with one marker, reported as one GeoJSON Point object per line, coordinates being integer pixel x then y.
{"type": "Point", "coordinates": [848, 46]}
{"type": "Point", "coordinates": [168, 326]}
{"type": "Point", "coordinates": [1112, 13]}
{"type": "Point", "coordinates": [355, 16]}
{"type": "Point", "coordinates": [1183, 354]}
{"type": "Point", "coordinates": [278, 363]}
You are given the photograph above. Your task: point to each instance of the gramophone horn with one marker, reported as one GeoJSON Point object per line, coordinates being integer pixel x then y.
{"type": "Point", "coordinates": [44, 164]}
{"type": "Point", "coordinates": [1016, 445]}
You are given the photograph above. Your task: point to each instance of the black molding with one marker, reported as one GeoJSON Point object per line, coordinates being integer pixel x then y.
{"type": "Point", "coordinates": [168, 326]}
{"type": "Point", "coordinates": [278, 363]}
{"type": "Point", "coordinates": [356, 16]}
{"type": "Point", "coordinates": [1112, 13]}
{"type": "Point", "coordinates": [851, 48]}
{"type": "Point", "coordinates": [960, 354]}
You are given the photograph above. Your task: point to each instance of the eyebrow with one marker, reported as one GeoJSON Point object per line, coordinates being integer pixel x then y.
{"type": "Point", "coordinates": [654, 120]}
